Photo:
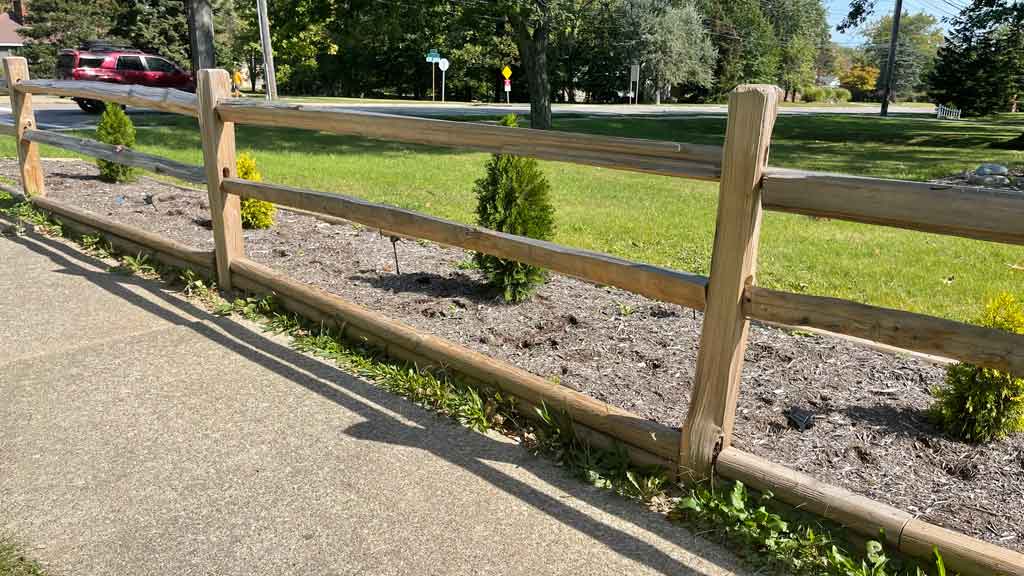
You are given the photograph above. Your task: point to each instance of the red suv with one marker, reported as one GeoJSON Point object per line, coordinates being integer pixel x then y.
{"type": "Point", "coordinates": [104, 63]}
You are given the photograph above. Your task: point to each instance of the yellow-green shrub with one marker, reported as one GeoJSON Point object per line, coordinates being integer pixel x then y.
{"type": "Point", "coordinates": [981, 404]}
{"type": "Point", "coordinates": [255, 213]}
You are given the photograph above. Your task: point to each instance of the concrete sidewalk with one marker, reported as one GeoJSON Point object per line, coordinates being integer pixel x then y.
{"type": "Point", "coordinates": [140, 435]}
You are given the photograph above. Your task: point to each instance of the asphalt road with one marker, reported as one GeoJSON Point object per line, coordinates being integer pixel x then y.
{"type": "Point", "coordinates": [63, 114]}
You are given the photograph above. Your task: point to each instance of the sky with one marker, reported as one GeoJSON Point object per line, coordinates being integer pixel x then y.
{"type": "Point", "coordinates": [837, 10]}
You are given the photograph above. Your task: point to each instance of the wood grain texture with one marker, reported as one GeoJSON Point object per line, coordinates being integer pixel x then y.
{"type": "Point", "coordinates": [723, 340]}
{"type": "Point", "coordinates": [163, 99]}
{"type": "Point", "coordinates": [668, 158]}
{"type": "Point", "coordinates": [961, 553]}
{"type": "Point", "coordinates": [654, 282]}
{"type": "Point", "coordinates": [974, 344]}
{"type": "Point", "coordinates": [119, 154]}
{"type": "Point", "coordinates": [398, 339]}
{"type": "Point", "coordinates": [185, 256]}
{"type": "Point", "coordinates": [912, 536]}
{"type": "Point", "coordinates": [220, 163]}
{"type": "Point", "coordinates": [980, 213]}
{"type": "Point", "coordinates": [16, 71]}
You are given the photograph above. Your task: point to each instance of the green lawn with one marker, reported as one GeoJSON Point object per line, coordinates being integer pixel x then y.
{"type": "Point", "coordinates": [670, 221]}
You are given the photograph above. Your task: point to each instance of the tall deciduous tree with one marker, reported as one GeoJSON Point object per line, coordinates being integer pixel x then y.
{"type": "Point", "coordinates": [919, 40]}
{"type": "Point", "coordinates": [678, 50]}
{"type": "Point", "coordinates": [747, 47]}
{"type": "Point", "coordinates": [800, 26]}
{"type": "Point", "coordinates": [531, 22]}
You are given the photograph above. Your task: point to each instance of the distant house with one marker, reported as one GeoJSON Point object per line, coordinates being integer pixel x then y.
{"type": "Point", "coordinates": [9, 37]}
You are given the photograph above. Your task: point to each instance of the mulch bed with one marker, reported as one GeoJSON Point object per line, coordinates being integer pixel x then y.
{"type": "Point", "coordinates": [870, 433]}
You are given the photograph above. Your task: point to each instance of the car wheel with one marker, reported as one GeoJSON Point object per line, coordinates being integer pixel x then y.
{"type": "Point", "coordinates": [91, 106]}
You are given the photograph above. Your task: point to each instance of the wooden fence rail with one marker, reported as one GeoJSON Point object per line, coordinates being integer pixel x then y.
{"type": "Point", "coordinates": [162, 99]}
{"type": "Point", "coordinates": [668, 158]}
{"type": "Point", "coordinates": [979, 213]}
{"type": "Point", "coordinates": [729, 297]}
{"type": "Point", "coordinates": [652, 281]}
{"type": "Point", "coordinates": [118, 154]}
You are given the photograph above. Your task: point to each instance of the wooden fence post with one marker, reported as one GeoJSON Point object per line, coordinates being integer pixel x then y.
{"type": "Point", "coordinates": [219, 160]}
{"type": "Point", "coordinates": [723, 340]}
{"type": "Point", "coordinates": [16, 70]}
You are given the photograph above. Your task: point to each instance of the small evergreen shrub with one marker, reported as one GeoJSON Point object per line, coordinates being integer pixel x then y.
{"type": "Point", "coordinates": [115, 127]}
{"type": "Point", "coordinates": [981, 404]}
{"type": "Point", "coordinates": [842, 94]}
{"type": "Point", "coordinates": [255, 213]}
{"type": "Point", "coordinates": [513, 197]}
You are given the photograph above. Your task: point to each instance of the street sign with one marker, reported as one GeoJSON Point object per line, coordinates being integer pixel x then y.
{"type": "Point", "coordinates": [508, 85]}
{"type": "Point", "coordinates": [634, 73]}
{"type": "Point", "coordinates": [443, 65]}
{"type": "Point", "coordinates": [433, 55]}
{"type": "Point", "coordinates": [507, 73]}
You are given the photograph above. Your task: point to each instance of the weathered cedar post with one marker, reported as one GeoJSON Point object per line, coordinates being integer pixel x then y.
{"type": "Point", "coordinates": [723, 339]}
{"type": "Point", "coordinates": [219, 160]}
{"type": "Point", "coordinates": [16, 69]}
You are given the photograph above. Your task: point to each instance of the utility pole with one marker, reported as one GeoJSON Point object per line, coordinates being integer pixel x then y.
{"type": "Point", "coordinates": [200, 34]}
{"type": "Point", "coordinates": [890, 68]}
{"type": "Point", "coordinates": [269, 76]}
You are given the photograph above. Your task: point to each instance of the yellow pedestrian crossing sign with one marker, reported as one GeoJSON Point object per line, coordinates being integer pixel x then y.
{"type": "Point", "coordinates": [506, 72]}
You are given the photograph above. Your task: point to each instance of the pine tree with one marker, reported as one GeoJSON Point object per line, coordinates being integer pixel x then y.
{"type": "Point", "coordinates": [115, 127]}
{"type": "Point", "coordinates": [980, 69]}
{"type": "Point", "coordinates": [513, 198]}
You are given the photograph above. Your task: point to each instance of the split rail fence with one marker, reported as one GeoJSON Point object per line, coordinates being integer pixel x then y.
{"type": "Point", "coordinates": [729, 298]}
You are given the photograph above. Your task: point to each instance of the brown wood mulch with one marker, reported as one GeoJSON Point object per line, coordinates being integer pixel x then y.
{"type": "Point", "coordinates": [870, 434]}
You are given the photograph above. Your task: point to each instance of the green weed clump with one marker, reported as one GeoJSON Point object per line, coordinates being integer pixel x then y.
{"type": "Point", "coordinates": [514, 197]}
{"type": "Point", "coordinates": [981, 404]}
{"type": "Point", "coordinates": [745, 518]}
{"type": "Point", "coordinates": [257, 214]}
{"type": "Point", "coordinates": [115, 128]}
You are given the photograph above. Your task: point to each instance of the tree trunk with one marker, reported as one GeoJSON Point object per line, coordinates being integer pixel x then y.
{"type": "Point", "coordinates": [200, 32]}
{"type": "Point", "coordinates": [533, 49]}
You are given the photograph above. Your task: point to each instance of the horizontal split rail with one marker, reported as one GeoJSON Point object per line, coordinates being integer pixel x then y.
{"type": "Point", "coordinates": [967, 211]}
{"type": "Point", "coordinates": [729, 297]}
{"type": "Point", "coordinates": [118, 154]}
{"type": "Point", "coordinates": [162, 99]}
{"type": "Point", "coordinates": [668, 158]}
{"type": "Point", "coordinates": [652, 281]}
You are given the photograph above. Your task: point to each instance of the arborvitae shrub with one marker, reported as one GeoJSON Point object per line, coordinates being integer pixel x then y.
{"type": "Point", "coordinates": [115, 128]}
{"type": "Point", "coordinates": [255, 213]}
{"type": "Point", "coordinates": [981, 404]}
{"type": "Point", "coordinates": [513, 197]}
